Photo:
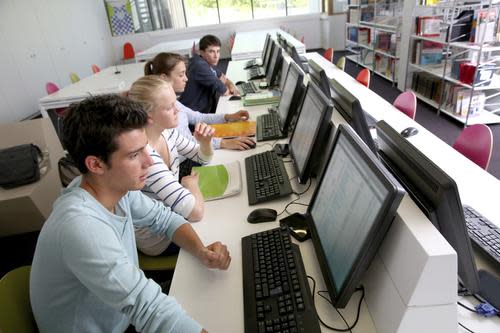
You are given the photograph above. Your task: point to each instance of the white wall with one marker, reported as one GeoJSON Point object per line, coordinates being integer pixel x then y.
{"type": "Point", "coordinates": [308, 26]}
{"type": "Point", "coordinates": [45, 40]}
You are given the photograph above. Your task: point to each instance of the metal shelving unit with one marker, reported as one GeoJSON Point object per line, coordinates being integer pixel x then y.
{"type": "Point", "coordinates": [472, 98]}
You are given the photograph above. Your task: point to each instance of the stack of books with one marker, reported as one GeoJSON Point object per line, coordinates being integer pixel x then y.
{"type": "Point", "coordinates": [263, 98]}
{"type": "Point", "coordinates": [427, 85]}
{"type": "Point", "coordinates": [364, 36]}
{"type": "Point", "coordinates": [458, 99]}
{"type": "Point", "coordinates": [428, 53]}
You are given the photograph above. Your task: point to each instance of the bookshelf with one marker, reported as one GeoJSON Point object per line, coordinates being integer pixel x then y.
{"type": "Point", "coordinates": [373, 35]}
{"type": "Point", "coordinates": [454, 58]}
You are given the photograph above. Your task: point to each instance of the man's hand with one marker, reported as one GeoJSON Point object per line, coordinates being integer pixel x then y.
{"type": "Point", "coordinates": [237, 116]}
{"type": "Point", "coordinates": [203, 133]}
{"type": "Point", "coordinates": [215, 255]}
{"type": "Point", "coordinates": [241, 143]}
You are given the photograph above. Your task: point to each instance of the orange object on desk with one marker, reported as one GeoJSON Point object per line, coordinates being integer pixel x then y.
{"type": "Point", "coordinates": [234, 129]}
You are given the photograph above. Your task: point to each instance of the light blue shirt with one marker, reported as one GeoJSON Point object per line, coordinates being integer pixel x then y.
{"type": "Point", "coordinates": [187, 116]}
{"type": "Point", "coordinates": [85, 275]}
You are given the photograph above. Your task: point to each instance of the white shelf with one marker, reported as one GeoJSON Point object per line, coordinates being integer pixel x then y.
{"type": "Point", "coordinates": [427, 100]}
{"type": "Point", "coordinates": [385, 76]}
{"type": "Point", "coordinates": [379, 26]}
{"type": "Point", "coordinates": [430, 39]}
{"type": "Point", "coordinates": [368, 47]}
{"type": "Point", "coordinates": [475, 47]}
{"type": "Point", "coordinates": [379, 51]}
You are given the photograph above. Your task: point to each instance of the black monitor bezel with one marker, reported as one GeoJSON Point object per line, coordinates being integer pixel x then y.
{"type": "Point", "coordinates": [272, 73]}
{"type": "Point", "coordinates": [296, 98]}
{"type": "Point", "coordinates": [407, 153]}
{"type": "Point", "coordinates": [266, 46]}
{"type": "Point", "coordinates": [350, 109]}
{"type": "Point", "coordinates": [375, 235]}
{"type": "Point", "coordinates": [267, 56]}
{"type": "Point", "coordinates": [321, 132]}
{"type": "Point", "coordinates": [294, 54]}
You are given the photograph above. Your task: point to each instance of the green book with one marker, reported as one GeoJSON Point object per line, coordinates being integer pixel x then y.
{"type": "Point", "coordinates": [219, 181]}
{"type": "Point", "coordinates": [262, 98]}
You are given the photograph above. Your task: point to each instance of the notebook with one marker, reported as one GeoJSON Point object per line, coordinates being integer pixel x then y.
{"type": "Point", "coordinates": [219, 181]}
{"type": "Point", "coordinates": [234, 129]}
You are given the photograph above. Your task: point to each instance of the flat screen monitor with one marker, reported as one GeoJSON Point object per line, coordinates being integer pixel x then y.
{"type": "Point", "coordinates": [267, 45]}
{"type": "Point", "coordinates": [351, 210]}
{"type": "Point", "coordinates": [298, 59]}
{"type": "Point", "coordinates": [291, 95]}
{"type": "Point", "coordinates": [435, 193]}
{"type": "Point", "coordinates": [311, 131]}
{"type": "Point", "coordinates": [267, 54]}
{"type": "Point", "coordinates": [274, 66]}
{"type": "Point", "coordinates": [350, 108]}
{"type": "Point", "coordinates": [318, 75]}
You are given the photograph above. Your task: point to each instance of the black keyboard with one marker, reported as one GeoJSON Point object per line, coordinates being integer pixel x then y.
{"type": "Point", "coordinates": [256, 73]}
{"type": "Point", "coordinates": [275, 288]}
{"type": "Point", "coordinates": [268, 127]}
{"type": "Point", "coordinates": [267, 178]}
{"type": "Point", "coordinates": [248, 88]}
{"type": "Point", "coordinates": [253, 63]}
{"type": "Point", "coordinates": [483, 233]}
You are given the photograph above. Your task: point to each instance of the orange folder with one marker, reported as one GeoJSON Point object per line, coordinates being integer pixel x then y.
{"type": "Point", "coordinates": [234, 129]}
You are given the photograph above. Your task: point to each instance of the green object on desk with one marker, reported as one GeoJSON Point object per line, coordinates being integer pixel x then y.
{"type": "Point", "coordinates": [263, 98]}
{"type": "Point", "coordinates": [213, 180]}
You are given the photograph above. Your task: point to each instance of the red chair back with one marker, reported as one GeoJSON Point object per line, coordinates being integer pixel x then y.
{"type": "Point", "coordinates": [476, 143]}
{"type": "Point", "coordinates": [364, 77]}
{"type": "Point", "coordinates": [406, 102]}
{"type": "Point", "coordinates": [95, 69]}
{"type": "Point", "coordinates": [128, 51]}
{"type": "Point", "coordinates": [328, 54]}
{"type": "Point", "coordinates": [51, 87]}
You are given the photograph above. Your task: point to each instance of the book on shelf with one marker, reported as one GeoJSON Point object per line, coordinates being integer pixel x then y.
{"type": "Point", "coordinates": [364, 36]}
{"type": "Point", "coordinates": [367, 14]}
{"type": "Point", "coordinates": [219, 181]}
{"type": "Point", "coordinates": [235, 129]}
{"type": "Point", "coordinates": [353, 2]}
{"type": "Point", "coordinates": [352, 34]}
{"type": "Point", "coordinates": [354, 15]}
{"type": "Point", "coordinates": [462, 26]}
{"type": "Point", "coordinates": [428, 2]}
{"type": "Point", "coordinates": [429, 26]}
{"type": "Point", "coordinates": [383, 41]}
{"type": "Point", "coordinates": [366, 57]}
{"type": "Point", "coordinates": [483, 25]}
{"type": "Point", "coordinates": [428, 53]}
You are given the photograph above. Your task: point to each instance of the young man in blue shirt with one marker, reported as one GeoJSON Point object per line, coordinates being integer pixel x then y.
{"type": "Point", "coordinates": [205, 82]}
{"type": "Point", "coordinates": [85, 275]}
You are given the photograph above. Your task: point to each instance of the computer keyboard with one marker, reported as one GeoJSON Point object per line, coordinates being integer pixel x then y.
{"type": "Point", "coordinates": [256, 73]}
{"type": "Point", "coordinates": [253, 63]}
{"type": "Point", "coordinates": [267, 178]}
{"type": "Point", "coordinates": [248, 88]}
{"type": "Point", "coordinates": [275, 288]}
{"type": "Point", "coordinates": [483, 233]}
{"type": "Point", "coordinates": [268, 127]}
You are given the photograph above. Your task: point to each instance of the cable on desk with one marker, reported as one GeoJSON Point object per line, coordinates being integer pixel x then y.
{"type": "Point", "coordinates": [349, 328]}
{"type": "Point", "coordinates": [466, 307]}
{"type": "Point", "coordinates": [307, 189]}
{"type": "Point", "coordinates": [468, 330]}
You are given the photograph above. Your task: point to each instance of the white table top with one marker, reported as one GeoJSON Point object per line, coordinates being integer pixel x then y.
{"type": "Point", "coordinates": [182, 47]}
{"type": "Point", "coordinates": [215, 298]}
{"type": "Point", "coordinates": [103, 82]}
{"type": "Point", "coordinates": [249, 44]}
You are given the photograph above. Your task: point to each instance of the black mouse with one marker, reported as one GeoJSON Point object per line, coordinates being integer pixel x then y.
{"type": "Point", "coordinates": [409, 131]}
{"type": "Point", "coordinates": [239, 82]}
{"type": "Point", "coordinates": [262, 215]}
{"type": "Point", "coordinates": [235, 98]}
{"type": "Point", "coordinates": [253, 145]}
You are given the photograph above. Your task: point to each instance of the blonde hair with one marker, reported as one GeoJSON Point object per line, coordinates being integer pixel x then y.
{"type": "Point", "coordinates": [144, 89]}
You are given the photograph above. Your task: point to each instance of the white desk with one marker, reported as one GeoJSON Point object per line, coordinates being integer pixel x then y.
{"type": "Point", "coordinates": [249, 44]}
{"type": "Point", "coordinates": [215, 298]}
{"type": "Point", "coordinates": [182, 47]}
{"type": "Point", "coordinates": [103, 82]}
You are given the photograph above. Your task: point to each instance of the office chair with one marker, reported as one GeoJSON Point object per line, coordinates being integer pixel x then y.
{"type": "Point", "coordinates": [406, 102]}
{"type": "Point", "coordinates": [73, 77]}
{"type": "Point", "coordinates": [95, 69]}
{"type": "Point", "coordinates": [328, 54]}
{"type": "Point", "coordinates": [128, 51]}
{"type": "Point", "coordinates": [16, 315]}
{"type": "Point", "coordinates": [51, 88]}
{"type": "Point", "coordinates": [156, 263]}
{"type": "Point", "coordinates": [476, 143]}
{"type": "Point", "coordinates": [341, 63]}
{"type": "Point", "coordinates": [364, 77]}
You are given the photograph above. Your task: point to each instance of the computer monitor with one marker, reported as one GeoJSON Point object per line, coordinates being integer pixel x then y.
{"type": "Point", "coordinates": [350, 108]}
{"type": "Point", "coordinates": [351, 210]}
{"type": "Point", "coordinates": [274, 65]}
{"type": "Point", "coordinates": [298, 59]}
{"type": "Point", "coordinates": [284, 69]}
{"type": "Point", "coordinates": [266, 47]}
{"type": "Point", "coordinates": [291, 95]}
{"type": "Point", "coordinates": [318, 75]}
{"type": "Point", "coordinates": [311, 131]}
{"type": "Point", "coordinates": [267, 52]}
{"type": "Point", "coordinates": [435, 193]}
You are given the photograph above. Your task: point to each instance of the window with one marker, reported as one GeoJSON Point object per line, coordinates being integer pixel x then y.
{"type": "Point", "coordinates": [149, 15]}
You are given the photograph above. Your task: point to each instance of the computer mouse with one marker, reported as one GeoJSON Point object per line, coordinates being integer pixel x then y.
{"type": "Point", "coordinates": [409, 131]}
{"type": "Point", "coordinates": [253, 145]}
{"type": "Point", "coordinates": [239, 82]}
{"type": "Point", "coordinates": [235, 98]}
{"type": "Point", "coordinates": [262, 215]}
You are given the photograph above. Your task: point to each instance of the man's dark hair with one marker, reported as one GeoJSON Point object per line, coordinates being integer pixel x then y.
{"type": "Point", "coordinates": [209, 40]}
{"type": "Point", "coordinates": [91, 126]}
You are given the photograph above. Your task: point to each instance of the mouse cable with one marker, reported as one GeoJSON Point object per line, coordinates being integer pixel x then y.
{"type": "Point", "coordinates": [349, 328]}
{"type": "Point", "coordinates": [307, 189]}
{"type": "Point", "coordinates": [463, 326]}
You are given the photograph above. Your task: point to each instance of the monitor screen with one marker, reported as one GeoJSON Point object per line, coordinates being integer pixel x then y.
{"type": "Point", "coordinates": [274, 65]}
{"type": "Point", "coordinates": [318, 74]}
{"type": "Point", "coordinates": [267, 55]}
{"type": "Point", "coordinates": [434, 192]}
{"type": "Point", "coordinates": [350, 213]}
{"type": "Point", "coordinates": [290, 96]}
{"type": "Point", "coordinates": [350, 108]}
{"type": "Point", "coordinates": [266, 47]}
{"type": "Point", "coordinates": [310, 131]}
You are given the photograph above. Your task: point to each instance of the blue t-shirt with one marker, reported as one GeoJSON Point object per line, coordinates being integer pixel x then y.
{"type": "Point", "coordinates": [202, 86]}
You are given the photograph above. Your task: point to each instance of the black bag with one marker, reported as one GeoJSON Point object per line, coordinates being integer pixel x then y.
{"type": "Point", "coordinates": [67, 170]}
{"type": "Point", "coordinates": [19, 165]}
